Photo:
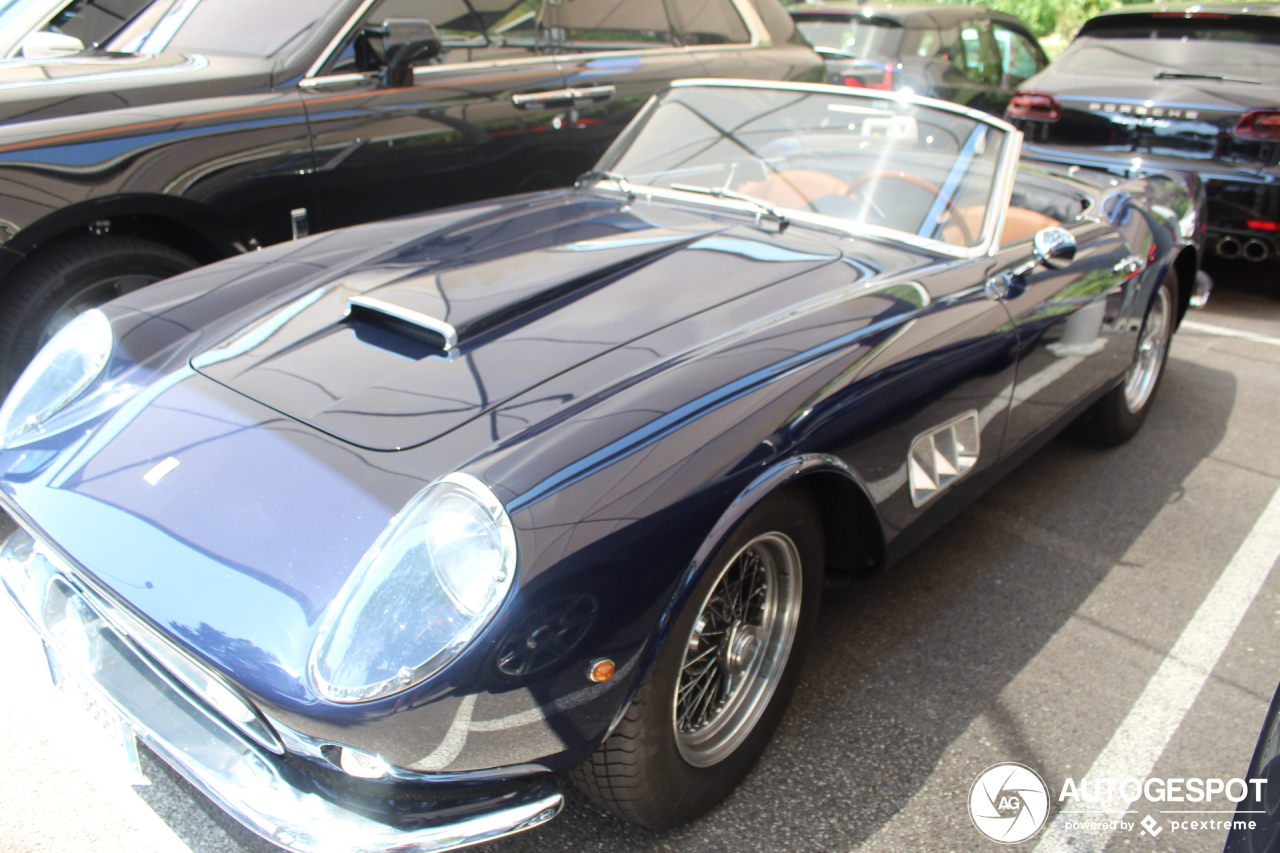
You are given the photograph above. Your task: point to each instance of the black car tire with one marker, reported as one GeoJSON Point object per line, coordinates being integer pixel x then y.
{"type": "Point", "coordinates": [67, 277]}
{"type": "Point", "coordinates": [1117, 417]}
{"type": "Point", "coordinates": [640, 773]}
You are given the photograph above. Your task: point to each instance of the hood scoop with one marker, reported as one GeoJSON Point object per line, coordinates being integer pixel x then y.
{"type": "Point", "coordinates": [378, 345]}
{"type": "Point", "coordinates": [402, 321]}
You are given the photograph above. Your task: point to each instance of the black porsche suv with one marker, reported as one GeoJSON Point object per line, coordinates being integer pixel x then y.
{"type": "Point", "coordinates": [189, 130]}
{"type": "Point", "coordinates": [1187, 87]}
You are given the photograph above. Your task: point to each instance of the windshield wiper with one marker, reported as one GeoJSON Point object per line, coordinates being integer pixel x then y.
{"type": "Point", "coordinates": [620, 180]}
{"type": "Point", "coordinates": [1189, 75]}
{"type": "Point", "coordinates": [719, 192]}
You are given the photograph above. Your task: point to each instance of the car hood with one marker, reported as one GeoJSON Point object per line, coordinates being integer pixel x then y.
{"type": "Point", "coordinates": [31, 90]}
{"type": "Point", "coordinates": [530, 294]}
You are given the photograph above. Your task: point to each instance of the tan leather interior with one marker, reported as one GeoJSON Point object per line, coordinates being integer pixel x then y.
{"type": "Point", "coordinates": [795, 188]}
{"type": "Point", "coordinates": [798, 188]}
{"type": "Point", "coordinates": [1021, 223]}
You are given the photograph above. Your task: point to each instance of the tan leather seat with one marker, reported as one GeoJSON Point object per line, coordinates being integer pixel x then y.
{"type": "Point", "coordinates": [1020, 223]}
{"type": "Point", "coordinates": [794, 188]}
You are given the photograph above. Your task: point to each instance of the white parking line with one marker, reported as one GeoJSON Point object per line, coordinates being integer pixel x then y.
{"type": "Point", "coordinates": [1224, 332]}
{"type": "Point", "coordinates": [1142, 736]}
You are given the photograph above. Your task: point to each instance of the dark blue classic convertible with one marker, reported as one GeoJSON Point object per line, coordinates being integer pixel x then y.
{"type": "Point", "coordinates": [380, 536]}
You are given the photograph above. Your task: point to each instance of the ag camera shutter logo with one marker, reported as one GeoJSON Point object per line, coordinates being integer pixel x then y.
{"type": "Point", "coordinates": [1009, 802]}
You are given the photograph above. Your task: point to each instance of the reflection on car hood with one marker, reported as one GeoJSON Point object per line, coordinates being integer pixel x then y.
{"type": "Point", "coordinates": [530, 294]}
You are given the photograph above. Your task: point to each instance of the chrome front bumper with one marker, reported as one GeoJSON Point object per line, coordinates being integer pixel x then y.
{"type": "Point", "coordinates": [262, 791]}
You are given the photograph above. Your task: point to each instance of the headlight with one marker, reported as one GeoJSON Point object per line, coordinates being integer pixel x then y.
{"type": "Point", "coordinates": [62, 370]}
{"type": "Point", "coordinates": [426, 588]}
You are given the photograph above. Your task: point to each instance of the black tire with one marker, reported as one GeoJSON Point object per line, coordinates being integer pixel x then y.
{"type": "Point", "coordinates": [67, 277]}
{"type": "Point", "coordinates": [1119, 415]}
{"type": "Point", "coordinates": [640, 773]}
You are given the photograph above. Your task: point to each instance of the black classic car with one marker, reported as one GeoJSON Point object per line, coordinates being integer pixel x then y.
{"type": "Point", "coordinates": [380, 536]}
{"type": "Point", "coordinates": [1161, 87]}
{"type": "Point", "coordinates": [966, 54]}
{"type": "Point", "coordinates": [191, 130]}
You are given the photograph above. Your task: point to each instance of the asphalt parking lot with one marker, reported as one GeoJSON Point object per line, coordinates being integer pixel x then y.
{"type": "Point", "coordinates": [1037, 628]}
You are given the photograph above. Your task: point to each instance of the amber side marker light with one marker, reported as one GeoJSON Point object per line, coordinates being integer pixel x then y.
{"type": "Point", "coordinates": [600, 670]}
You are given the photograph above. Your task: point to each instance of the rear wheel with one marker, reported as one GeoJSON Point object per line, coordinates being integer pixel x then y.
{"type": "Point", "coordinates": [722, 681]}
{"type": "Point", "coordinates": [68, 277]}
{"type": "Point", "coordinates": [1119, 415]}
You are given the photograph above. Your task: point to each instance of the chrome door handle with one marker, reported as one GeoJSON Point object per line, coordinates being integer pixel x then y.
{"type": "Point", "coordinates": [564, 97]}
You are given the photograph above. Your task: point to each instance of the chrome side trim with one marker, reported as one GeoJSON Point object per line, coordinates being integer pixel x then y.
{"type": "Point", "coordinates": [416, 318]}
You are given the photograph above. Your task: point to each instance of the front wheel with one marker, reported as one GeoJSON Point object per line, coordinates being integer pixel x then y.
{"type": "Point", "coordinates": [723, 678]}
{"type": "Point", "coordinates": [1119, 415]}
{"type": "Point", "coordinates": [66, 278]}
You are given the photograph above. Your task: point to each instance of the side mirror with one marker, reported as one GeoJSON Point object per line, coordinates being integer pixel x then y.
{"type": "Point", "coordinates": [1054, 247]}
{"type": "Point", "coordinates": [404, 41]}
{"type": "Point", "coordinates": [43, 45]}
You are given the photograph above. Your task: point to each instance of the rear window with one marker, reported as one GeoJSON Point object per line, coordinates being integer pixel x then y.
{"type": "Point", "coordinates": [1204, 26]}
{"type": "Point", "coordinates": [857, 36]}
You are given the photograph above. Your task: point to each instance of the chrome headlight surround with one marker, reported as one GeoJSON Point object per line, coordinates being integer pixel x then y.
{"type": "Point", "coordinates": [63, 370]}
{"type": "Point", "coordinates": [426, 588]}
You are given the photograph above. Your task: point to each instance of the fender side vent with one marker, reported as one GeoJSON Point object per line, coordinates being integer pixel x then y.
{"type": "Point", "coordinates": [405, 322]}
{"type": "Point", "coordinates": [941, 456]}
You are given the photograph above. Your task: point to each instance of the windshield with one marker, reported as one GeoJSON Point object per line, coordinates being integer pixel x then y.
{"type": "Point", "coordinates": [863, 160]}
{"type": "Point", "coordinates": [235, 27]}
{"type": "Point", "coordinates": [854, 35]}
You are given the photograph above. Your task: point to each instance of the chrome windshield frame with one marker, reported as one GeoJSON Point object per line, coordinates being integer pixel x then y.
{"type": "Point", "coordinates": [997, 203]}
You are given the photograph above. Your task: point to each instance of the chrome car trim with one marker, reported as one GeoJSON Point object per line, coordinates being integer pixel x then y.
{"type": "Point", "coordinates": [829, 223]}
{"type": "Point", "coordinates": [586, 95]}
{"type": "Point", "coordinates": [942, 455]}
{"type": "Point", "coordinates": [161, 654]}
{"type": "Point", "coordinates": [204, 749]}
{"type": "Point", "coordinates": [415, 318]}
{"type": "Point", "coordinates": [336, 41]}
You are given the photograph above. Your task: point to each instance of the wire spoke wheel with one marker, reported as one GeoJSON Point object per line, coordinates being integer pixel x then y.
{"type": "Point", "coordinates": [738, 648]}
{"type": "Point", "coordinates": [1143, 374]}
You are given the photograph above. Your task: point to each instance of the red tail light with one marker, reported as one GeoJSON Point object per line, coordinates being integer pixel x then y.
{"type": "Point", "coordinates": [1259, 124]}
{"type": "Point", "coordinates": [874, 75]}
{"type": "Point", "coordinates": [1034, 105]}
{"type": "Point", "coordinates": [1262, 225]}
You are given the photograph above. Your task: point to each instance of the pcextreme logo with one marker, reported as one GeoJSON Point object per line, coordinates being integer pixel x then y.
{"type": "Point", "coordinates": [1009, 803]}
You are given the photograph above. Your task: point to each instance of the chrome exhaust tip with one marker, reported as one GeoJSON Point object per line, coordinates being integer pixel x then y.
{"type": "Point", "coordinates": [1256, 250]}
{"type": "Point", "coordinates": [1228, 247]}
